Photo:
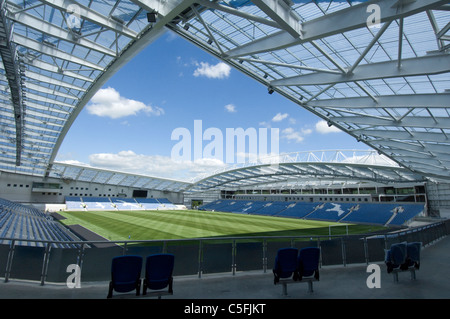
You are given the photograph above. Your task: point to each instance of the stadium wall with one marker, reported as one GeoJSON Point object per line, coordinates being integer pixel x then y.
{"type": "Point", "coordinates": [28, 189]}
{"type": "Point", "coordinates": [438, 195]}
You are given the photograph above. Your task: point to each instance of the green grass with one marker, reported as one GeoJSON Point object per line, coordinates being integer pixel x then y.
{"type": "Point", "coordinates": [185, 224]}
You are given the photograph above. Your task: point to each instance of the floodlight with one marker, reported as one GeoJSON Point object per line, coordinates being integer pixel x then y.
{"type": "Point", "coordinates": [151, 16]}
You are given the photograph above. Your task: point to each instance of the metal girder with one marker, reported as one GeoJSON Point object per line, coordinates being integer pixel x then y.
{"type": "Point", "coordinates": [13, 72]}
{"type": "Point", "coordinates": [92, 16]}
{"type": "Point", "coordinates": [433, 64]}
{"type": "Point", "coordinates": [441, 100]}
{"type": "Point", "coordinates": [433, 137]}
{"type": "Point", "coordinates": [45, 66]}
{"type": "Point", "coordinates": [416, 121]}
{"type": "Point", "coordinates": [341, 21]}
{"type": "Point", "coordinates": [282, 14]}
{"type": "Point", "coordinates": [57, 32]}
{"type": "Point", "coordinates": [53, 52]}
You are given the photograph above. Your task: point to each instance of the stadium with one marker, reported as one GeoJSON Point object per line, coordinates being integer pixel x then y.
{"type": "Point", "coordinates": [377, 71]}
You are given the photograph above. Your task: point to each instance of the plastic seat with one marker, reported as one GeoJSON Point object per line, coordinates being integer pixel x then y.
{"type": "Point", "coordinates": [308, 263]}
{"type": "Point", "coordinates": [125, 274]}
{"type": "Point", "coordinates": [158, 274]}
{"type": "Point", "coordinates": [285, 264]}
{"type": "Point", "coordinates": [396, 256]}
{"type": "Point", "coordinates": [413, 254]}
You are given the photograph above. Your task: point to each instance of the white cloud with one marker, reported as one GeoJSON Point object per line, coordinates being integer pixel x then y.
{"type": "Point", "coordinates": [230, 108]}
{"type": "Point", "coordinates": [292, 135]}
{"type": "Point", "coordinates": [154, 165]}
{"type": "Point", "coordinates": [218, 71]}
{"type": "Point", "coordinates": [279, 117]}
{"type": "Point", "coordinates": [264, 124]}
{"type": "Point", "coordinates": [323, 128]}
{"type": "Point", "coordinates": [108, 102]}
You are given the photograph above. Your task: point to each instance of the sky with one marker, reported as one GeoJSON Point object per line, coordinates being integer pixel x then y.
{"type": "Point", "coordinates": [171, 87]}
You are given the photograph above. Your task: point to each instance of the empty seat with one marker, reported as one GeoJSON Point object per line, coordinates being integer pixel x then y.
{"type": "Point", "coordinates": [125, 274]}
{"type": "Point", "coordinates": [158, 274]}
{"type": "Point", "coordinates": [285, 264]}
{"type": "Point", "coordinates": [308, 263]}
{"type": "Point", "coordinates": [403, 257]}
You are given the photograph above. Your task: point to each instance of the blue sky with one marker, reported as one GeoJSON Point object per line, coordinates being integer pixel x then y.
{"type": "Point", "coordinates": [128, 124]}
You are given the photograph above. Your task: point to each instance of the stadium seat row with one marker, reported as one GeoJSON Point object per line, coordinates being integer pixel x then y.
{"type": "Point", "coordinates": [28, 223]}
{"type": "Point", "coordinates": [107, 203]}
{"type": "Point", "coordinates": [368, 213]}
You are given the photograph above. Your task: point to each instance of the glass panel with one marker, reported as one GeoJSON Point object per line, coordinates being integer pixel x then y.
{"type": "Point", "coordinates": [4, 251]}
{"type": "Point", "coordinates": [97, 263]}
{"type": "Point", "coordinates": [27, 263]}
{"type": "Point", "coordinates": [249, 256]}
{"type": "Point", "coordinates": [331, 252]}
{"type": "Point", "coordinates": [272, 249]}
{"type": "Point", "coordinates": [59, 259]}
{"type": "Point", "coordinates": [354, 251]}
{"type": "Point", "coordinates": [216, 257]}
{"type": "Point", "coordinates": [376, 247]}
{"type": "Point", "coordinates": [186, 258]}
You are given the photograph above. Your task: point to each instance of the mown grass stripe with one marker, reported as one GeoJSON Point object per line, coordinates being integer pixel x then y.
{"type": "Point", "coordinates": [150, 225]}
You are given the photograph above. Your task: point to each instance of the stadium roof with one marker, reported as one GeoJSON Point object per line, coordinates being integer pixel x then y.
{"type": "Point", "coordinates": [313, 169]}
{"type": "Point", "coordinates": [378, 70]}
{"type": "Point", "coordinates": [68, 172]}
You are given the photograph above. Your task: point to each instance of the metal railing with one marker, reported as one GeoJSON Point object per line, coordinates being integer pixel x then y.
{"type": "Point", "coordinates": [49, 263]}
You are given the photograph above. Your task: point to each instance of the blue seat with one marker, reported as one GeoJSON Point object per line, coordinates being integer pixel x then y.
{"type": "Point", "coordinates": [285, 264]}
{"type": "Point", "coordinates": [396, 256]}
{"type": "Point", "coordinates": [413, 254]}
{"type": "Point", "coordinates": [403, 257]}
{"type": "Point", "coordinates": [125, 274]}
{"type": "Point", "coordinates": [158, 274]}
{"type": "Point", "coordinates": [308, 263]}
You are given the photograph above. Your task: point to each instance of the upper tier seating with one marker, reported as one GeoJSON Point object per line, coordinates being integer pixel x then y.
{"type": "Point", "coordinates": [364, 213]}
{"type": "Point", "coordinates": [117, 203]}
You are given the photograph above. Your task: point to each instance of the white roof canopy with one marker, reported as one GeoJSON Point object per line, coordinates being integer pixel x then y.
{"type": "Point", "coordinates": [379, 70]}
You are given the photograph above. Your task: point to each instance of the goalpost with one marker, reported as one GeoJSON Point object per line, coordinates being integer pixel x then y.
{"type": "Point", "coordinates": [330, 226]}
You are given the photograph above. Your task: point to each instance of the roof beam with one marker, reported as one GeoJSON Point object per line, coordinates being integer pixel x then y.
{"type": "Point", "coordinates": [441, 100]}
{"type": "Point", "coordinates": [245, 15]}
{"type": "Point", "coordinates": [282, 14]}
{"type": "Point", "coordinates": [46, 90]}
{"type": "Point", "coordinates": [92, 16]}
{"type": "Point", "coordinates": [52, 51]}
{"type": "Point", "coordinates": [402, 135]}
{"type": "Point", "coordinates": [417, 121]}
{"type": "Point", "coordinates": [437, 149]}
{"type": "Point", "coordinates": [432, 64]}
{"type": "Point", "coordinates": [57, 32]}
{"type": "Point", "coordinates": [341, 21]}
{"type": "Point", "coordinates": [13, 74]}
{"type": "Point", "coordinates": [43, 78]}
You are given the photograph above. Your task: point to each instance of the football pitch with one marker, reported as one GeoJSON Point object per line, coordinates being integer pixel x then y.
{"type": "Point", "coordinates": [186, 224]}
